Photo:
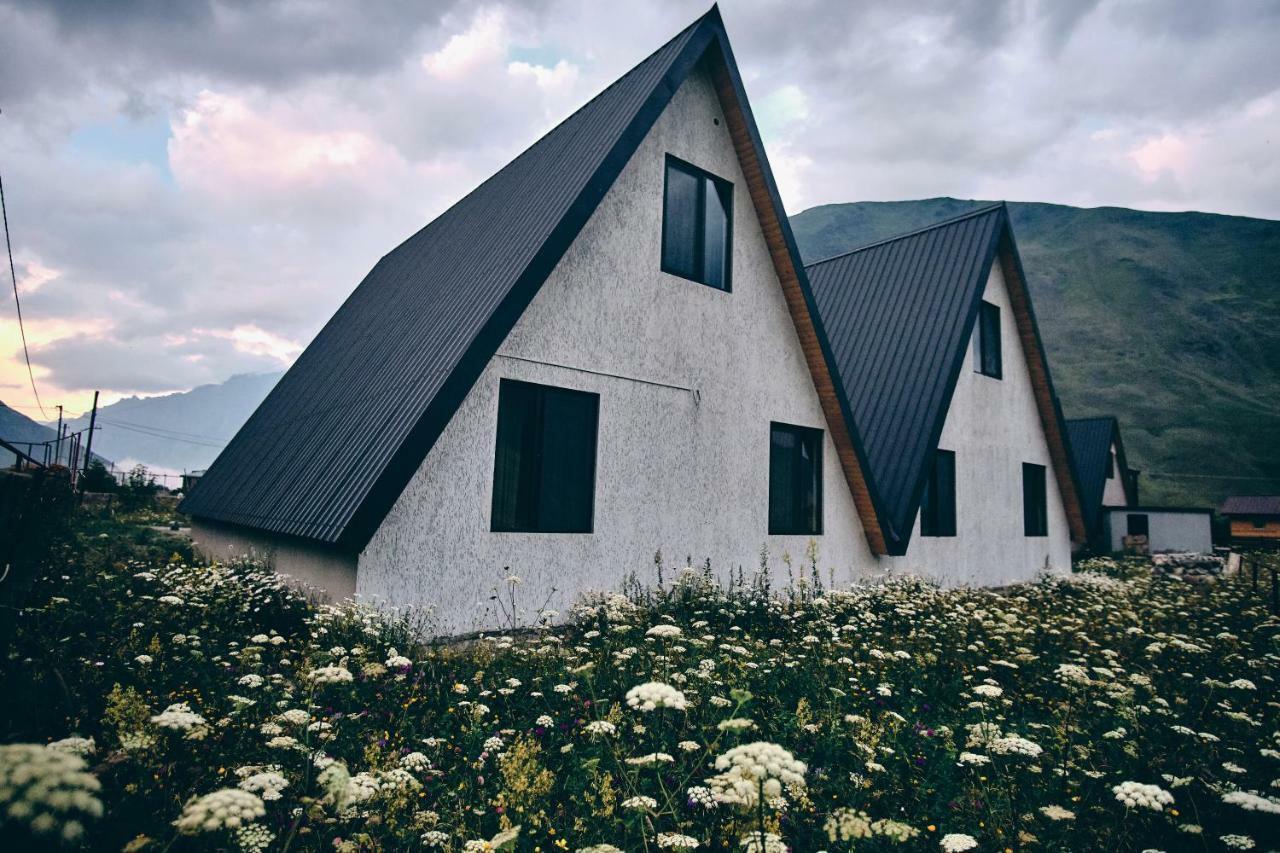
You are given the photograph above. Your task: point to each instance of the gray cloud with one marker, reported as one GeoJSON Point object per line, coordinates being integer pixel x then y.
{"type": "Point", "coordinates": [209, 180]}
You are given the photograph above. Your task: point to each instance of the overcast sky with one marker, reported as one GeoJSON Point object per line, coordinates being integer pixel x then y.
{"type": "Point", "coordinates": [194, 187]}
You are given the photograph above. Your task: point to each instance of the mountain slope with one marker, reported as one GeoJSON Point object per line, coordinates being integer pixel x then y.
{"type": "Point", "coordinates": [1170, 321]}
{"type": "Point", "coordinates": [178, 432]}
{"type": "Point", "coordinates": [16, 428]}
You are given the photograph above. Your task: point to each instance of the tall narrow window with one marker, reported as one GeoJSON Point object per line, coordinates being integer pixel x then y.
{"type": "Point", "coordinates": [1035, 511]}
{"type": "Point", "coordinates": [697, 221]}
{"type": "Point", "coordinates": [1111, 465]}
{"type": "Point", "coordinates": [938, 506]}
{"type": "Point", "coordinates": [795, 480]}
{"type": "Point", "coordinates": [990, 361]}
{"type": "Point", "coordinates": [545, 465]}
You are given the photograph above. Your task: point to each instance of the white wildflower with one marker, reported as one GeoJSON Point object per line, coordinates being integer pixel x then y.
{"type": "Point", "coordinates": [228, 808]}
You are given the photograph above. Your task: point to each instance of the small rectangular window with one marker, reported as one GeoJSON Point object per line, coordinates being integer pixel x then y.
{"type": "Point", "coordinates": [1139, 525]}
{"type": "Point", "coordinates": [545, 464]}
{"type": "Point", "coordinates": [938, 506]}
{"type": "Point", "coordinates": [697, 225]}
{"type": "Point", "coordinates": [795, 480]}
{"type": "Point", "coordinates": [1035, 511]}
{"type": "Point", "coordinates": [990, 360]}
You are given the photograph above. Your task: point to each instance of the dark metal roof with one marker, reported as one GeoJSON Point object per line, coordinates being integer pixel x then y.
{"type": "Point", "coordinates": [897, 315]}
{"type": "Point", "coordinates": [1251, 505]}
{"type": "Point", "coordinates": [334, 443]}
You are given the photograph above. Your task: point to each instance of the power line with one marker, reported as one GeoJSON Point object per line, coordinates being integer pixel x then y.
{"type": "Point", "coordinates": [17, 304]}
{"type": "Point", "coordinates": [160, 435]}
{"type": "Point", "coordinates": [176, 432]}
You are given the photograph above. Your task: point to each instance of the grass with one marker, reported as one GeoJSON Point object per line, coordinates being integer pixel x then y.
{"type": "Point", "coordinates": [893, 717]}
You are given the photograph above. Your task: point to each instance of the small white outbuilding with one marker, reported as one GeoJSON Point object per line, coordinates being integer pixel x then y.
{"type": "Point", "coordinates": [1160, 530]}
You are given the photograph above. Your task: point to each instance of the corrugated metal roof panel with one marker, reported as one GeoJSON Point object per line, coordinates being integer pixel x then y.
{"type": "Point", "coordinates": [1251, 505]}
{"type": "Point", "coordinates": [897, 315]}
{"type": "Point", "coordinates": [348, 423]}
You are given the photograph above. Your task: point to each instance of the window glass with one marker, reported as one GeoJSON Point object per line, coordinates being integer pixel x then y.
{"type": "Point", "coordinates": [680, 223]}
{"type": "Point", "coordinates": [990, 361]}
{"type": "Point", "coordinates": [697, 224]}
{"type": "Point", "coordinates": [545, 458]}
{"type": "Point", "coordinates": [1035, 512]}
{"type": "Point", "coordinates": [938, 506]}
{"type": "Point", "coordinates": [795, 480]}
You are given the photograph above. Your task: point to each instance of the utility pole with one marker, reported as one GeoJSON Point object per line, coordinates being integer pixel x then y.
{"type": "Point", "coordinates": [57, 447]}
{"type": "Point", "coordinates": [88, 450]}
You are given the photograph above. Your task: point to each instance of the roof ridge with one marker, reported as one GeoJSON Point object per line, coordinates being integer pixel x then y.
{"type": "Point", "coordinates": [987, 208]}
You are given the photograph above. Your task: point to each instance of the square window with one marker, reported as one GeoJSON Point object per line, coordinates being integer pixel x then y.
{"type": "Point", "coordinates": [1139, 525]}
{"type": "Point", "coordinates": [795, 480]}
{"type": "Point", "coordinates": [697, 221]}
{"type": "Point", "coordinates": [1035, 511]}
{"type": "Point", "coordinates": [990, 360]}
{"type": "Point", "coordinates": [938, 505]}
{"type": "Point", "coordinates": [545, 464]}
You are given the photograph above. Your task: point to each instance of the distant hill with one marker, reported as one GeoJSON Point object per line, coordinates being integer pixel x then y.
{"type": "Point", "coordinates": [178, 432]}
{"type": "Point", "coordinates": [1170, 321]}
{"type": "Point", "coordinates": [17, 429]}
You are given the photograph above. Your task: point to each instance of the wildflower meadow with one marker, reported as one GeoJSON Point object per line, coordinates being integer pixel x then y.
{"type": "Point", "coordinates": [155, 704]}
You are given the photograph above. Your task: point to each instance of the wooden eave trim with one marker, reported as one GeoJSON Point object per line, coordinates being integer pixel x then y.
{"type": "Point", "coordinates": [784, 265]}
{"type": "Point", "coordinates": [1038, 368]}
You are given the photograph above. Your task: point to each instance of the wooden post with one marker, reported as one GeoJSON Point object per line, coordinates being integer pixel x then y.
{"type": "Point", "coordinates": [1275, 592]}
{"type": "Point", "coordinates": [88, 450]}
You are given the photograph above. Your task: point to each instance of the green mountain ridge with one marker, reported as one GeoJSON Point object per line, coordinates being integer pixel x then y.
{"type": "Point", "coordinates": [1169, 321]}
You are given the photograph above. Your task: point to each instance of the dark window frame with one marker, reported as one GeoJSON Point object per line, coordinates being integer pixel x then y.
{"type": "Point", "coordinates": [1035, 500]}
{"type": "Point", "coordinates": [725, 189]}
{"type": "Point", "coordinates": [529, 487]}
{"type": "Point", "coordinates": [1145, 526]}
{"type": "Point", "coordinates": [815, 438]}
{"type": "Point", "coordinates": [990, 348]}
{"type": "Point", "coordinates": [938, 517]}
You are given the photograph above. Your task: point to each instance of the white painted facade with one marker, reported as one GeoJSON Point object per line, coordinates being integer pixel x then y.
{"type": "Point", "coordinates": [1113, 489]}
{"type": "Point", "coordinates": [689, 379]}
{"type": "Point", "coordinates": [993, 426]}
{"type": "Point", "coordinates": [1169, 530]}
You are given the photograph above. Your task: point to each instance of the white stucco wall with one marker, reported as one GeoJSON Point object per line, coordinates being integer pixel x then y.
{"type": "Point", "coordinates": [684, 471]}
{"type": "Point", "coordinates": [316, 568]}
{"type": "Point", "coordinates": [993, 426]}
{"type": "Point", "coordinates": [1169, 531]}
{"type": "Point", "coordinates": [1113, 488]}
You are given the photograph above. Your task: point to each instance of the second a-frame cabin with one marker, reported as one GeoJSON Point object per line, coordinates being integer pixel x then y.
{"type": "Point", "coordinates": [608, 349]}
{"type": "Point", "coordinates": [936, 350]}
